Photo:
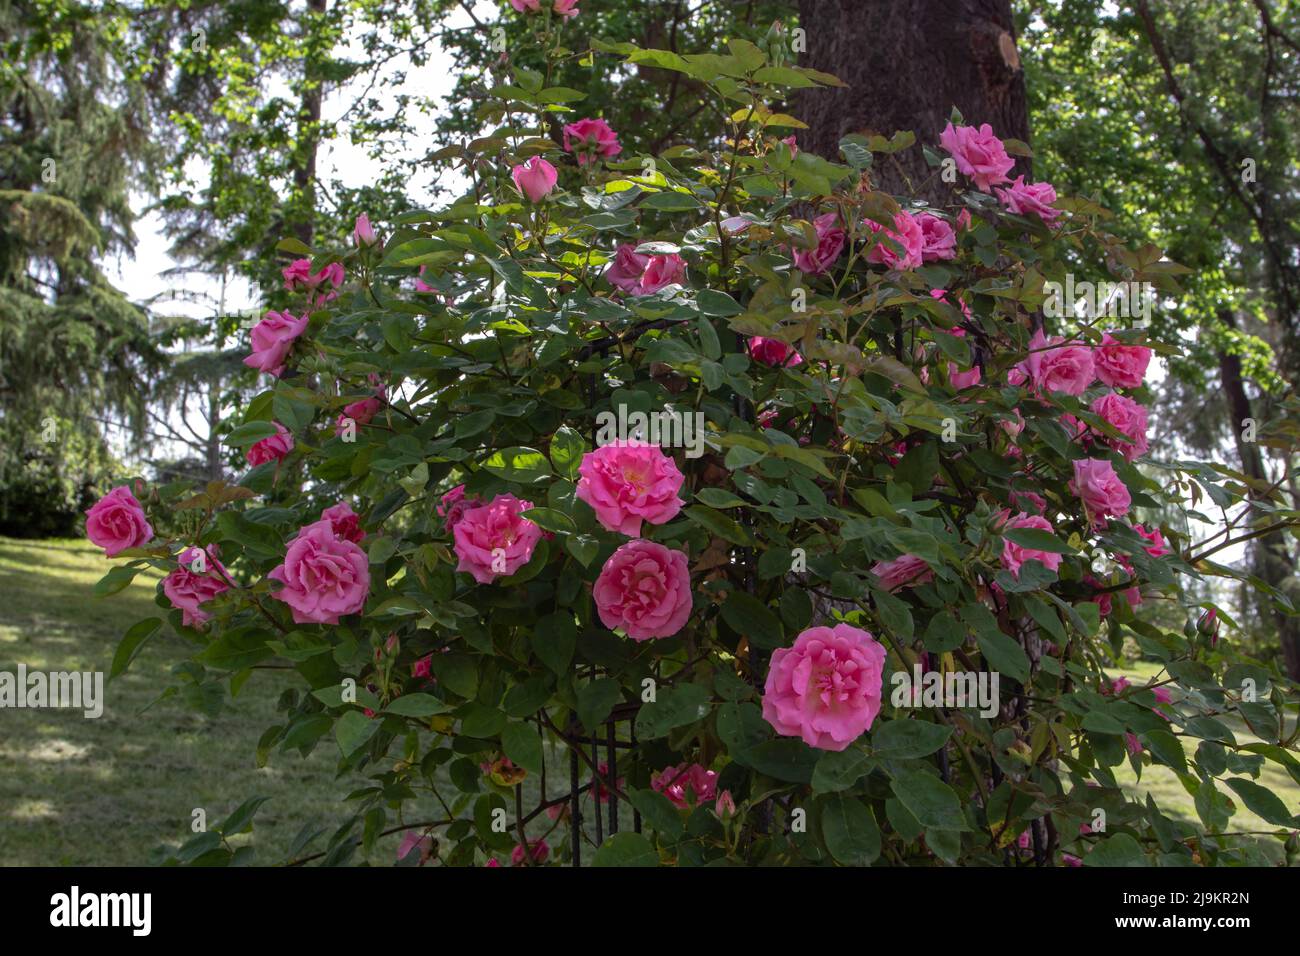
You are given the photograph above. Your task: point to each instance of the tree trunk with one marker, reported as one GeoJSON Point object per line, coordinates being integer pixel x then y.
{"type": "Point", "coordinates": [304, 165]}
{"type": "Point", "coordinates": [907, 65]}
{"type": "Point", "coordinates": [1274, 562]}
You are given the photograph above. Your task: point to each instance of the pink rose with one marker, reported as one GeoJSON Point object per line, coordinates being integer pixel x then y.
{"type": "Point", "coordinates": [906, 571]}
{"type": "Point", "coordinates": [1132, 743]}
{"type": "Point", "coordinates": [453, 506]}
{"type": "Point", "coordinates": [538, 851]}
{"type": "Point", "coordinates": [273, 448]}
{"type": "Point", "coordinates": [978, 154]}
{"type": "Point", "coordinates": [625, 271]}
{"type": "Point", "coordinates": [363, 234]}
{"type": "Point", "coordinates": [414, 840]}
{"type": "Point", "coordinates": [195, 582]}
{"type": "Point", "coordinates": [793, 143]}
{"type": "Point", "coordinates": [938, 241]}
{"type": "Point", "coordinates": [1069, 859]}
{"type": "Point", "coordinates": [725, 808]}
{"type": "Point", "coordinates": [116, 522]}
{"type": "Point", "coordinates": [423, 668]}
{"type": "Point", "coordinates": [826, 688]}
{"type": "Point", "coordinates": [1128, 418]}
{"type": "Point", "coordinates": [1116, 687]}
{"type": "Point", "coordinates": [1119, 365]}
{"type": "Point", "coordinates": [566, 8]}
{"type": "Point", "coordinates": [662, 271]}
{"type": "Point", "coordinates": [589, 138]}
{"type": "Point", "coordinates": [319, 286]}
{"type": "Point", "coordinates": [344, 522]}
{"type": "Point", "coordinates": [598, 782]}
{"type": "Point", "coordinates": [1029, 501]}
{"type": "Point", "coordinates": [1055, 365]}
{"type": "Point", "coordinates": [494, 540]}
{"type": "Point", "coordinates": [1015, 555]}
{"type": "Point", "coordinates": [1162, 695]}
{"type": "Point", "coordinates": [535, 178]}
{"type": "Point", "coordinates": [527, 6]}
{"type": "Point", "coordinates": [644, 589]}
{"type": "Point", "coordinates": [323, 575]}
{"type": "Point", "coordinates": [956, 377]}
{"type": "Point", "coordinates": [830, 243]}
{"type": "Point", "coordinates": [686, 785]}
{"type": "Point", "coordinates": [773, 352]}
{"type": "Point", "coordinates": [1157, 546]}
{"type": "Point", "coordinates": [360, 412]}
{"type": "Point", "coordinates": [907, 234]}
{"type": "Point", "coordinates": [1033, 199]}
{"type": "Point", "coordinates": [272, 338]}
{"type": "Point", "coordinates": [1100, 489]}
{"type": "Point", "coordinates": [627, 482]}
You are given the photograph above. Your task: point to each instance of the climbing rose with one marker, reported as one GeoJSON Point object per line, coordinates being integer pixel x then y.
{"type": "Point", "coordinates": [685, 785]}
{"type": "Point", "coordinates": [272, 338]}
{"type": "Point", "coordinates": [938, 241]}
{"type": "Point", "coordinates": [830, 243]}
{"type": "Point", "coordinates": [907, 234]}
{"type": "Point", "coordinates": [413, 840]}
{"type": "Point", "coordinates": [773, 352]}
{"type": "Point", "coordinates": [662, 271]}
{"type": "Point", "coordinates": [644, 589]}
{"type": "Point", "coordinates": [625, 270]}
{"type": "Point", "coordinates": [188, 587]}
{"type": "Point", "coordinates": [272, 448]}
{"type": "Point", "coordinates": [1120, 365]}
{"type": "Point", "coordinates": [319, 286]}
{"type": "Point", "coordinates": [905, 571]}
{"type": "Point", "coordinates": [1157, 546]}
{"type": "Point", "coordinates": [826, 688]}
{"type": "Point", "coordinates": [116, 522]}
{"type": "Point", "coordinates": [344, 522]}
{"type": "Point", "coordinates": [630, 481]}
{"type": "Point", "coordinates": [535, 178]}
{"type": "Point", "coordinates": [495, 539]}
{"type": "Point", "coordinates": [1055, 365]}
{"type": "Point", "coordinates": [1032, 199]}
{"type": "Point", "coordinates": [453, 506]}
{"type": "Point", "coordinates": [978, 154]}
{"type": "Point", "coordinates": [566, 8]}
{"type": "Point", "coordinates": [1129, 418]}
{"type": "Point", "coordinates": [1015, 555]}
{"type": "Point", "coordinates": [323, 575]}
{"type": "Point", "coordinates": [1100, 489]}
{"type": "Point", "coordinates": [589, 138]}
{"type": "Point", "coordinates": [538, 851]}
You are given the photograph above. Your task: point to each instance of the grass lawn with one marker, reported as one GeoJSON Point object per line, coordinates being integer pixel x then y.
{"type": "Point", "coordinates": [106, 791]}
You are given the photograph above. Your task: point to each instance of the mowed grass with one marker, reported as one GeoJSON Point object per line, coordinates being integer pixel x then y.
{"type": "Point", "coordinates": [106, 791]}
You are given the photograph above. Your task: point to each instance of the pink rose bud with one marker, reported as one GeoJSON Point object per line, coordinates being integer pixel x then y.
{"type": "Point", "coordinates": [363, 234]}
{"type": "Point", "coordinates": [725, 808]}
{"type": "Point", "coordinates": [535, 178]}
{"type": "Point", "coordinates": [273, 448]}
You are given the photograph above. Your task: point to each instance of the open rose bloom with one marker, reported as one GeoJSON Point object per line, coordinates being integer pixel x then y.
{"type": "Point", "coordinates": [644, 590]}
{"type": "Point", "coordinates": [324, 576]}
{"type": "Point", "coordinates": [826, 688]}
{"type": "Point", "coordinates": [629, 482]}
{"type": "Point", "coordinates": [116, 522]}
{"type": "Point", "coordinates": [195, 582]}
{"type": "Point", "coordinates": [493, 540]}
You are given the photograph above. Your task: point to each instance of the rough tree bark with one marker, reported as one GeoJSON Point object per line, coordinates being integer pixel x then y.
{"type": "Point", "coordinates": [906, 65]}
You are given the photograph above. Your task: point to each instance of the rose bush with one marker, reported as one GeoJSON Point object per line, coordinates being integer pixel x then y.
{"type": "Point", "coordinates": [468, 587]}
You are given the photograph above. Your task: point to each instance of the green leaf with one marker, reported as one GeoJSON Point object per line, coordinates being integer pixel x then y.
{"type": "Point", "coordinates": [929, 799]}
{"type": "Point", "coordinates": [850, 831]}
{"type": "Point", "coordinates": [1037, 539]}
{"type": "Point", "coordinates": [353, 730]}
{"type": "Point", "coordinates": [785, 758]}
{"type": "Point", "coordinates": [659, 812]}
{"type": "Point", "coordinates": [673, 707]}
{"type": "Point", "coordinates": [131, 642]}
{"type": "Point", "coordinates": [1003, 654]}
{"type": "Point", "coordinates": [115, 580]}
{"type": "Point", "coordinates": [519, 464]}
{"type": "Point", "coordinates": [596, 700]}
{"type": "Point", "coordinates": [626, 849]}
{"type": "Point", "coordinates": [554, 639]}
{"type": "Point", "coordinates": [839, 769]}
{"type": "Point", "coordinates": [523, 746]}
{"type": "Point", "coordinates": [1119, 849]}
{"type": "Point", "coordinates": [567, 449]}
{"type": "Point", "coordinates": [904, 739]}
{"type": "Point", "coordinates": [416, 705]}
{"type": "Point", "coordinates": [749, 617]}
{"type": "Point", "coordinates": [716, 523]}
{"type": "Point", "coordinates": [242, 818]}
{"type": "Point", "coordinates": [250, 433]}
{"type": "Point", "coordinates": [1262, 802]}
